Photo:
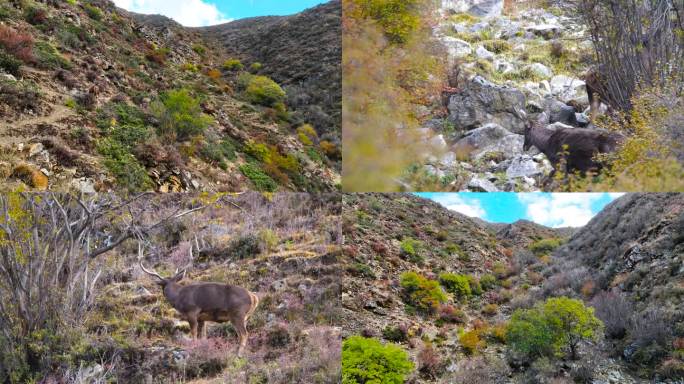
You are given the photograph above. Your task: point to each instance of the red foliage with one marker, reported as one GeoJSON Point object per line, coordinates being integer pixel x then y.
{"type": "Point", "coordinates": [17, 44]}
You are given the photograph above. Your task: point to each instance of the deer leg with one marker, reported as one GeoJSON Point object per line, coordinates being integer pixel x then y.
{"type": "Point", "coordinates": [202, 329]}
{"type": "Point", "coordinates": [241, 329]}
{"type": "Point", "coordinates": [192, 319]}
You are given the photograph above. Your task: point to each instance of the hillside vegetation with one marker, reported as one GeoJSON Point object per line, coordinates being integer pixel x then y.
{"type": "Point", "coordinates": [88, 314]}
{"type": "Point", "coordinates": [95, 98]}
{"type": "Point", "coordinates": [432, 296]}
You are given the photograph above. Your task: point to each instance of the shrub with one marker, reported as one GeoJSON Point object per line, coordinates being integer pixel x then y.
{"type": "Point", "coordinates": [278, 336]}
{"type": "Point", "coordinates": [199, 49]}
{"type": "Point", "coordinates": [411, 248]}
{"type": "Point", "coordinates": [233, 65]}
{"type": "Point", "coordinates": [307, 134]}
{"type": "Point", "coordinates": [398, 18]}
{"type": "Point", "coordinates": [471, 342]}
{"type": "Point", "coordinates": [17, 44]}
{"type": "Point", "coordinates": [48, 56]}
{"type": "Point", "coordinates": [129, 173]}
{"type": "Point", "coordinates": [157, 55]}
{"type": "Point", "coordinates": [214, 74]}
{"type": "Point", "coordinates": [549, 327]}
{"type": "Point", "coordinates": [93, 12]}
{"type": "Point", "coordinates": [21, 95]}
{"type": "Point", "coordinates": [430, 364]}
{"type": "Point", "coordinates": [615, 311]}
{"type": "Point", "coordinates": [474, 284]}
{"type": "Point", "coordinates": [497, 46]}
{"type": "Point", "coordinates": [255, 67]}
{"type": "Point", "coordinates": [190, 67]}
{"type": "Point", "coordinates": [545, 246]}
{"type": "Point", "coordinates": [456, 284]}
{"type": "Point", "coordinates": [245, 247]}
{"type": "Point", "coordinates": [362, 270]}
{"type": "Point", "coordinates": [262, 182]}
{"type": "Point", "coordinates": [9, 63]}
{"type": "Point", "coordinates": [451, 315]}
{"type": "Point", "coordinates": [36, 15]}
{"type": "Point", "coordinates": [398, 334]}
{"type": "Point", "coordinates": [487, 282]}
{"type": "Point", "coordinates": [490, 309]}
{"type": "Point", "coordinates": [366, 360]}
{"type": "Point", "coordinates": [180, 114]}
{"type": "Point", "coordinates": [422, 293]}
{"type": "Point", "coordinates": [264, 91]}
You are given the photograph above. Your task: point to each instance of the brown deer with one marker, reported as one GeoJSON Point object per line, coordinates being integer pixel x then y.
{"type": "Point", "coordinates": [202, 302]}
{"type": "Point", "coordinates": [577, 146]}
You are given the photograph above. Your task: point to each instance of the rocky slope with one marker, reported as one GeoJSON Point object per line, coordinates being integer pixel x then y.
{"type": "Point", "coordinates": [86, 102]}
{"type": "Point", "coordinates": [526, 58]}
{"type": "Point", "coordinates": [626, 263]}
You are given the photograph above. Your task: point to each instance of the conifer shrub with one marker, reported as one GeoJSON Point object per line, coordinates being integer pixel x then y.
{"type": "Point", "coordinates": [366, 360]}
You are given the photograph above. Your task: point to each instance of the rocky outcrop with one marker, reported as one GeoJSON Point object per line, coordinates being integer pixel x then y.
{"type": "Point", "coordinates": [482, 8]}
{"type": "Point", "coordinates": [483, 102]}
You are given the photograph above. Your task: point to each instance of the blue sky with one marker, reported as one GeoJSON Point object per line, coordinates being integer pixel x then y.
{"type": "Point", "coordinates": [196, 13]}
{"type": "Point", "coordinates": [549, 209]}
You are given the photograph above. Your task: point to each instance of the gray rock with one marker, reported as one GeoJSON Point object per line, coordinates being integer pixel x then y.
{"type": "Point", "coordinates": [482, 8]}
{"type": "Point", "coordinates": [456, 48]}
{"type": "Point", "coordinates": [523, 166]}
{"type": "Point", "coordinates": [483, 53]}
{"type": "Point", "coordinates": [490, 138]}
{"type": "Point", "coordinates": [569, 90]}
{"type": "Point", "coordinates": [503, 66]}
{"type": "Point", "coordinates": [559, 112]}
{"type": "Point", "coordinates": [482, 102]}
{"type": "Point", "coordinates": [84, 185]}
{"type": "Point", "coordinates": [540, 70]}
{"type": "Point", "coordinates": [477, 184]}
{"type": "Point", "coordinates": [547, 31]}
{"type": "Point", "coordinates": [438, 143]}
{"type": "Point", "coordinates": [582, 119]}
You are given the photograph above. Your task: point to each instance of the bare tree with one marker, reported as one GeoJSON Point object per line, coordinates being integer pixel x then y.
{"type": "Point", "coordinates": [637, 42]}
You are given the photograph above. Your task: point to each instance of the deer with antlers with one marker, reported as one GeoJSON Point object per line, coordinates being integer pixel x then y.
{"type": "Point", "coordinates": [201, 302]}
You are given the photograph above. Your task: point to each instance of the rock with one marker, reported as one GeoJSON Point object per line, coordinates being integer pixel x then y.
{"type": "Point", "coordinates": [540, 70]}
{"type": "Point", "coordinates": [569, 90]}
{"type": "Point", "coordinates": [432, 170]}
{"type": "Point", "coordinates": [559, 112]}
{"type": "Point", "coordinates": [482, 185]}
{"type": "Point", "coordinates": [582, 119]}
{"type": "Point", "coordinates": [490, 138]}
{"type": "Point", "coordinates": [7, 77]}
{"type": "Point", "coordinates": [456, 48]}
{"type": "Point", "coordinates": [503, 66]}
{"type": "Point", "coordinates": [523, 166]}
{"type": "Point", "coordinates": [547, 31]}
{"type": "Point", "coordinates": [84, 185]}
{"type": "Point", "coordinates": [438, 143]}
{"type": "Point", "coordinates": [482, 102]}
{"type": "Point", "coordinates": [545, 86]}
{"type": "Point", "coordinates": [483, 53]}
{"type": "Point", "coordinates": [481, 8]}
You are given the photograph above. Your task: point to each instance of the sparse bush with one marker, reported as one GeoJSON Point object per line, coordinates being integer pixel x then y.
{"type": "Point", "coordinates": [471, 342]}
{"type": "Point", "coordinates": [487, 282]}
{"type": "Point", "coordinates": [430, 364]}
{"type": "Point", "coordinates": [214, 74]}
{"type": "Point", "coordinates": [129, 173]}
{"type": "Point", "coordinates": [278, 336]}
{"type": "Point", "coordinates": [36, 15]}
{"type": "Point", "coordinates": [615, 311]}
{"type": "Point", "coordinates": [456, 284]}
{"type": "Point", "coordinates": [451, 315]}
{"type": "Point", "coordinates": [264, 91]}
{"type": "Point", "coordinates": [475, 286]}
{"type": "Point", "coordinates": [17, 44]}
{"type": "Point", "coordinates": [180, 114]}
{"type": "Point", "coordinates": [9, 63]}
{"type": "Point", "coordinates": [245, 247]}
{"type": "Point", "coordinates": [199, 49]}
{"type": "Point", "coordinates": [255, 67]}
{"type": "Point", "coordinates": [422, 293]}
{"type": "Point", "coordinates": [410, 247]}
{"type": "Point", "coordinates": [307, 134]}
{"type": "Point", "coordinates": [362, 270]}
{"type": "Point", "coordinates": [157, 55]}
{"type": "Point", "coordinates": [21, 95]}
{"type": "Point", "coordinates": [545, 246]}
{"type": "Point", "coordinates": [490, 309]}
{"type": "Point", "coordinates": [262, 182]}
{"type": "Point", "coordinates": [233, 65]}
{"type": "Point", "coordinates": [497, 46]}
{"type": "Point", "coordinates": [398, 18]}
{"type": "Point", "coordinates": [398, 334]}
{"type": "Point", "coordinates": [366, 360]}
{"type": "Point", "coordinates": [93, 12]}
{"type": "Point", "coordinates": [651, 337]}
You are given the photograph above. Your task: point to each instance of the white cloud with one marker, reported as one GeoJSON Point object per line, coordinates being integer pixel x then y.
{"type": "Point", "coordinates": [190, 13]}
{"type": "Point", "coordinates": [559, 209]}
{"type": "Point", "coordinates": [455, 202]}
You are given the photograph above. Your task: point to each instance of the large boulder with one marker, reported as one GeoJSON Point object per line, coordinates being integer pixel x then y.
{"type": "Point", "coordinates": [456, 48]}
{"type": "Point", "coordinates": [481, 8]}
{"type": "Point", "coordinates": [491, 138]}
{"type": "Point", "coordinates": [570, 90]}
{"type": "Point", "coordinates": [525, 166]}
{"type": "Point", "coordinates": [483, 102]}
{"type": "Point", "coordinates": [559, 112]}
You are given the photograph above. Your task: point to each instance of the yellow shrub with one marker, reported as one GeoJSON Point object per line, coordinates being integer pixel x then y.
{"type": "Point", "coordinates": [31, 176]}
{"type": "Point", "coordinates": [471, 342]}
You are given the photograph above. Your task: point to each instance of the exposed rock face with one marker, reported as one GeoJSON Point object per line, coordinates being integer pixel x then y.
{"type": "Point", "coordinates": [482, 8]}
{"type": "Point", "coordinates": [491, 138]}
{"type": "Point", "coordinates": [570, 90]}
{"type": "Point", "coordinates": [484, 102]}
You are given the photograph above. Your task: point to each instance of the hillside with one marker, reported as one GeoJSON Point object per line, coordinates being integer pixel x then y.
{"type": "Point", "coordinates": [284, 248]}
{"type": "Point", "coordinates": [98, 98]}
{"type": "Point", "coordinates": [498, 270]}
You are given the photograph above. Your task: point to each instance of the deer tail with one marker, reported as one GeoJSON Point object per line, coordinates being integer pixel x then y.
{"type": "Point", "coordinates": [254, 303]}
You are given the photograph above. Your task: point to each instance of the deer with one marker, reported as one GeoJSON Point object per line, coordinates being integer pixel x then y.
{"type": "Point", "coordinates": [198, 303]}
{"type": "Point", "coordinates": [577, 146]}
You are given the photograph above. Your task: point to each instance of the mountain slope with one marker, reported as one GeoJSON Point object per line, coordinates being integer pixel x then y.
{"type": "Point", "coordinates": [98, 98]}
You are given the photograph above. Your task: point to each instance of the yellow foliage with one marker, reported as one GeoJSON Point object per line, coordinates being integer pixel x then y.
{"type": "Point", "coordinates": [471, 341]}
{"type": "Point", "coordinates": [31, 176]}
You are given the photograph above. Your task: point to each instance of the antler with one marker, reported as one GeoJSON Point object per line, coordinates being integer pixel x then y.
{"type": "Point", "coordinates": [152, 273]}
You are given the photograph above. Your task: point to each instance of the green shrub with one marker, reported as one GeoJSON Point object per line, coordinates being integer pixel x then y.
{"type": "Point", "coordinates": [456, 284]}
{"type": "Point", "coordinates": [497, 46]}
{"type": "Point", "coordinates": [471, 342]}
{"type": "Point", "coordinates": [367, 361]}
{"type": "Point", "coordinates": [545, 246]}
{"type": "Point", "coordinates": [218, 152]}
{"type": "Point", "coordinates": [255, 67]}
{"type": "Point", "coordinates": [550, 327]}
{"type": "Point", "coordinates": [199, 49]}
{"type": "Point", "coordinates": [395, 334]}
{"type": "Point", "coordinates": [398, 18]}
{"type": "Point", "coordinates": [244, 247]}
{"type": "Point", "coordinates": [487, 282]}
{"type": "Point", "coordinates": [362, 270]}
{"type": "Point", "coordinates": [48, 56]}
{"type": "Point", "coordinates": [233, 65]}
{"type": "Point", "coordinates": [475, 286]}
{"type": "Point", "coordinates": [264, 91]}
{"type": "Point", "coordinates": [9, 63]}
{"type": "Point", "coordinates": [262, 182]}
{"type": "Point", "coordinates": [129, 173]}
{"type": "Point", "coordinates": [421, 293]}
{"type": "Point", "coordinates": [93, 12]}
{"type": "Point", "coordinates": [180, 114]}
